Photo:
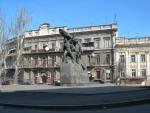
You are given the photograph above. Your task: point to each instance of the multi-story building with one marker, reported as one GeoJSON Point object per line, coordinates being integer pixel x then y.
{"type": "Point", "coordinates": [42, 65]}
{"type": "Point", "coordinates": [1, 65]}
{"type": "Point", "coordinates": [11, 56]}
{"type": "Point", "coordinates": [132, 59]}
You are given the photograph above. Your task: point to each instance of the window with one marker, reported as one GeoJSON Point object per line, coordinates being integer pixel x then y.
{"type": "Point", "coordinates": [122, 58]}
{"type": "Point", "coordinates": [35, 47]}
{"type": "Point", "coordinates": [133, 72]}
{"type": "Point", "coordinates": [107, 42]}
{"type": "Point", "coordinates": [44, 46]}
{"type": "Point", "coordinates": [98, 74]}
{"type": "Point", "coordinates": [98, 59]}
{"type": "Point", "coordinates": [29, 59]}
{"type": "Point", "coordinates": [89, 59]}
{"type": "Point", "coordinates": [45, 60]}
{"type": "Point", "coordinates": [143, 72]}
{"type": "Point", "coordinates": [97, 43]}
{"type": "Point", "coordinates": [53, 45]}
{"type": "Point", "coordinates": [87, 40]}
{"type": "Point", "coordinates": [143, 58]}
{"type": "Point", "coordinates": [132, 58]}
{"type": "Point", "coordinates": [53, 60]}
{"type": "Point", "coordinates": [61, 45]}
{"type": "Point", "coordinates": [122, 74]}
{"type": "Point", "coordinates": [36, 61]}
{"type": "Point", "coordinates": [108, 59]}
{"type": "Point", "coordinates": [80, 40]}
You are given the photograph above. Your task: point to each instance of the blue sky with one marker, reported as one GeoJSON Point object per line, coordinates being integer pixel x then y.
{"type": "Point", "coordinates": [133, 16]}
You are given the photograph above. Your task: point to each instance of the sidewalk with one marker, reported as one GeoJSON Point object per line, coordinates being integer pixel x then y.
{"type": "Point", "coordinates": [15, 87]}
{"type": "Point", "coordinates": [11, 88]}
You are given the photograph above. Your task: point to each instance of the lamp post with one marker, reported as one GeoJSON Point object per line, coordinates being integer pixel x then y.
{"type": "Point", "coordinates": [93, 54]}
{"type": "Point", "coordinates": [46, 48]}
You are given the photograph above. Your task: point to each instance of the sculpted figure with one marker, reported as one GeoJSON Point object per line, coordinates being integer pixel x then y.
{"type": "Point", "coordinates": [72, 47]}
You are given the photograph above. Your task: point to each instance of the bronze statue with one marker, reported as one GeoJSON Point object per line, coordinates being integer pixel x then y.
{"type": "Point", "coordinates": [72, 70]}
{"type": "Point", "coordinates": [72, 48]}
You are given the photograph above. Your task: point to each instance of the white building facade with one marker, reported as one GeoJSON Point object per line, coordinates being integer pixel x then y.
{"type": "Point", "coordinates": [132, 58]}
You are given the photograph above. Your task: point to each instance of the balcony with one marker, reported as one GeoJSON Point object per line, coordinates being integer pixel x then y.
{"type": "Point", "coordinates": [10, 66]}
{"type": "Point", "coordinates": [104, 64]}
{"type": "Point", "coordinates": [41, 64]}
{"type": "Point", "coordinates": [12, 52]}
{"type": "Point", "coordinates": [26, 50]}
{"type": "Point", "coordinates": [88, 46]}
{"type": "Point", "coordinates": [41, 51]}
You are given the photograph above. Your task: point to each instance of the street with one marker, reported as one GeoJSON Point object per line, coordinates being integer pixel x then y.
{"type": "Point", "coordinates": [90, 99]}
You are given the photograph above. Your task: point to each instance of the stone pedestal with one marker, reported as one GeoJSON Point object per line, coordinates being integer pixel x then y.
{"type": "Point", "coordinates": [73, 74]}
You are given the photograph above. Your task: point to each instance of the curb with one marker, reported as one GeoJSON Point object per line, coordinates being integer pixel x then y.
{"type": "Point", "coordinates": [79, 107]}
{"type": "Point", "coordinates": [86, 94]}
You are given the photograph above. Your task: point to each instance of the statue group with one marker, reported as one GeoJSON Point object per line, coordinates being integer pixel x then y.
{"type": "Point", "coordinates": [73, 72]}
{"type": "Point", "coordinates": [72, 48]}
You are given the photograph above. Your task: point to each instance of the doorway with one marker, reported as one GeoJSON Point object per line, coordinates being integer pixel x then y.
{"type": "Point", "coordinates": [98, 74]}
{"type": "Point", "coordinates": [44, 78]}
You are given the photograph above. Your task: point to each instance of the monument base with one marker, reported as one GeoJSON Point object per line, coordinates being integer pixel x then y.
{"type": "Point", "coordinates": [73, 74]}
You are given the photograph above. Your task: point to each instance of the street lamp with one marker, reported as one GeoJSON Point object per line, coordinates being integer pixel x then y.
{"type": "Point", "coordinates": [93, 54]}
{"type": "Point", "coordinates": [46, 48]}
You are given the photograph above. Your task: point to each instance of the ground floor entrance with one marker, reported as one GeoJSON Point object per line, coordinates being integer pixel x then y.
{"type": "Point", "coordinates": [101, 74]}
{"type": "Point", "coordinates": [42, 76]}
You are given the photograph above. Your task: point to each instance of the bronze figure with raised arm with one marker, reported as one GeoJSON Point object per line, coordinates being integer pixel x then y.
{"type": "Point", "coordinates": [68, 55]}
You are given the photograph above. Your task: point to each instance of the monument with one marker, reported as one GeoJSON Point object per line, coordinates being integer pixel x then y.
{"type": "Point", "coordinates": [72, 71]}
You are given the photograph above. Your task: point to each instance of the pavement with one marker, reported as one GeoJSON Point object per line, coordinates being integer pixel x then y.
{"type": "Point", "coordinates": [16, 87]}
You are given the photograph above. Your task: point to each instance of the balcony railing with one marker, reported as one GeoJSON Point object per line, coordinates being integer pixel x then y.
{"type": "Point", "coordinates": [87, 48]}
{"type": "Point", "coordinates": [89, 44]}
{"type": "Point", "coordinates": [10, 66]}
{"type": "Point", "coordinates": [40, 64]}
{"type": "Point", "coordinates": [94, 63]}
{"type": "Point", "coordinates": [43, 51]}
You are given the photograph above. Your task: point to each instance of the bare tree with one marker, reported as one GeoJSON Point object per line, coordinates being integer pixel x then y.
{"type": "Point", "coordinates": [17, 29]}
{"type": "Point", "coordinates": [3, 37]}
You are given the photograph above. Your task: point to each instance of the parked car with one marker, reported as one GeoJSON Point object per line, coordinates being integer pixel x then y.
{"type": "Point", "coordinates": [57, 83]}
{"type": "Point", "coordinates": [27, 82]}
{"type": "Point", "coordinates": [5, 82]}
